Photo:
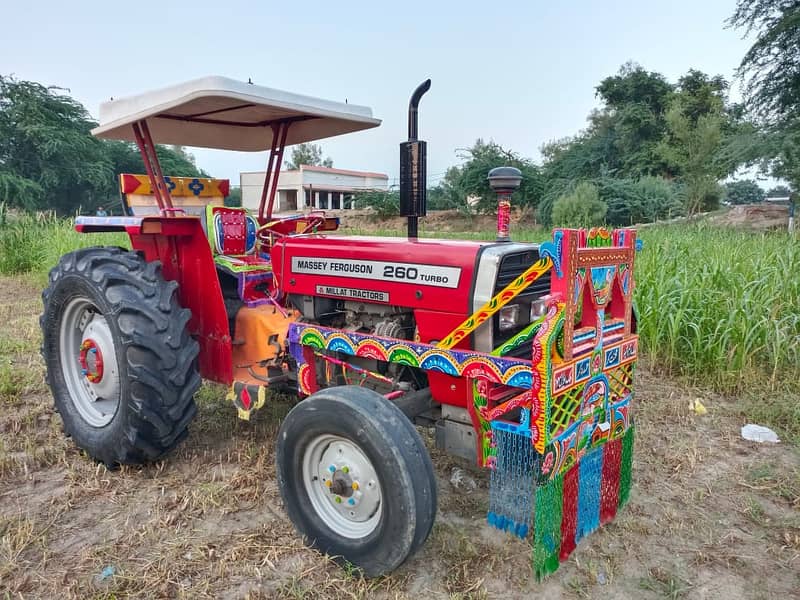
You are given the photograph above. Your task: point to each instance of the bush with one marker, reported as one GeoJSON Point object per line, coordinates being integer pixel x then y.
{"type": "Point", "coordinates": [745, 191]}
{"type": "Point", "coordinates": [234, 198]}
{"type": "Point", "coordinates": [34, 243]}
{"type": "Point", "coordinates": [645, 200]}
{"type": "Point", "coordinates": [581, 208]}
{"type": "Point", "coordinates": [629, 201]}
{"type": "Point", "coordinates": [387, 203]}
{"type": "Point", "coordinates": [384, 203]}
{"type": "Point", "coordinates": [21, 246]}
{"type": "Point", "coordinates": [662, 199]}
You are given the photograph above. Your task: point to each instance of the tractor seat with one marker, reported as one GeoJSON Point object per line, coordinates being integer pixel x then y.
{"type": "Point", "coordinates": [232, 235]}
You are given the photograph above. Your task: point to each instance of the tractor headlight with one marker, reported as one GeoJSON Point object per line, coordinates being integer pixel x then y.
{"type": "Point", "coordinates": [508, 317]}
{"type": "Point", "coordinates": [538, 308]}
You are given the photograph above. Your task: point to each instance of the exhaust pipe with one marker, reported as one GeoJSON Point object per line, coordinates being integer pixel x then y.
{"type": "Point", "coordinates": [413, 166]}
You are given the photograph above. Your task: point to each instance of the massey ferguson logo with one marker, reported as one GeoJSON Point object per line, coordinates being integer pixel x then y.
{"type": "Point", "coordinates": [431, 275]}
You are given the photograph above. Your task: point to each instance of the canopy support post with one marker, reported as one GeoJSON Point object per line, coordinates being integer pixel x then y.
{"type": "Point", "coordinates": [279, 131]}
{"type": "Point", "coordinates": [152, 166]}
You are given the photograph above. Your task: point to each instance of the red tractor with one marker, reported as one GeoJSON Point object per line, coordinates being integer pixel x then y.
{"type": "Point", "coordinates": [521, 355]}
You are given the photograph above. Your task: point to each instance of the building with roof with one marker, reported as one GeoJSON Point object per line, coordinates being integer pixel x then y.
{"type": "Point", "coordinates": [311, 187]}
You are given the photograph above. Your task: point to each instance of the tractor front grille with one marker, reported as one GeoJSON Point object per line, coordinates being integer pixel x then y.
{"type": "Point", "coordinates": [513, 265]}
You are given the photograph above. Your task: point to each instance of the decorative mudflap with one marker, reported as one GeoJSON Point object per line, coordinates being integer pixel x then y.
{"type": "Point", "coordinates": [561, 453]}
{"type": "Point", "coordinates": [247, 398]}
{"type": "Point", "coordinates": [561, 507]}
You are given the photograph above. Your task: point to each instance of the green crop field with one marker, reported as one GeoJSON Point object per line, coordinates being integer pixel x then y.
{"type": "Point", "coordinates": [717, 306]}
{"type": "Point", "coordinates": [30, 244]}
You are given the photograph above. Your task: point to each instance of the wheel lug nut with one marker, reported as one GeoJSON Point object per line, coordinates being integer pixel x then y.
{"type": "Point", "coordinates": [345, 470]}
{"type": "Point", "coordinates": [332, 469]}
{"type": "Point", "coordinates": [338, 499]}
{"type": "Point", "coordinates": [355, 485]}
{"type": "Point", "coordinates": [351, 502]}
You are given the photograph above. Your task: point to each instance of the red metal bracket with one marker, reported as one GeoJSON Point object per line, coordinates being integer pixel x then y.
{"type": "Point", "coordinates": [153, 168]}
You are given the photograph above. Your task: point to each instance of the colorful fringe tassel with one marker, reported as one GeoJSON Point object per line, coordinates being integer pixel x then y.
{"type": "Point", "coordinates": [564, 509]}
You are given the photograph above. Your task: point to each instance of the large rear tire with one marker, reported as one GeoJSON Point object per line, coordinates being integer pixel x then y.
{"type": "Point", "coordinates": [121, 364]}
{"type": "Point", "coordinates": [356, 478]}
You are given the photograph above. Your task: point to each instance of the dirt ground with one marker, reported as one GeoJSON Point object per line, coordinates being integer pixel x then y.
{"type": "Point", "coordinates": [757, 217]}
{"type": "Point", "coordinates": [711, 515]}
{"type": "Point", "coordinates": [447, 221]}
{"type": "Point", "coordinates": [754, 217]}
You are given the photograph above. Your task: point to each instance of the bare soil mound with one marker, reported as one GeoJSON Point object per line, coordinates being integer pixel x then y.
{"type": "Point", "coordinates": [755, 216]}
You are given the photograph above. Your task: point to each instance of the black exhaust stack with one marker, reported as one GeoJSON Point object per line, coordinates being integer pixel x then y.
{"type": "Point", "coordinates": [413, 166]}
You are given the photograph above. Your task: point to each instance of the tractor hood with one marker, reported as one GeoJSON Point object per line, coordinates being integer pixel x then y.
{"type": "Point", "coordinates": [418, 273]}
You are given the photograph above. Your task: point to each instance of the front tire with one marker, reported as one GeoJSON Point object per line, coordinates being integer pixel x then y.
{"type": "Point", "coordinates": [121, 364]}
{"type": "Point", "coordinates": [356, 479]}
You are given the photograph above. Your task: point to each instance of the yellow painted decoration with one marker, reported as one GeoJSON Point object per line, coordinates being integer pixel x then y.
{"type": "Point", "coordinates": [500, 299]}
{"type": "Point", "coordinates": [543, 343]}
{"type": "Point", "coordinates": [203, 187]}
{"type": "Point", "coordinates": [256, 403]}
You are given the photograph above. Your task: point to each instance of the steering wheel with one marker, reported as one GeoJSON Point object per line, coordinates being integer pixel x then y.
{"type": "Point", "coordinates": [313, 220]}
{"type": "Point", "coordinates": [267, 233]}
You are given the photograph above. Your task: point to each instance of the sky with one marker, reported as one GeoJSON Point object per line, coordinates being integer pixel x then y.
{"type": "Point", "coordinates": [519, 73]}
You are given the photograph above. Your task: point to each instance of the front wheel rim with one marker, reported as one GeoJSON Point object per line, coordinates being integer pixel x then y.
{"type": "Point", "coordinates": [343, 486]}
{"type": "Point", "coordinates": [89, 362]}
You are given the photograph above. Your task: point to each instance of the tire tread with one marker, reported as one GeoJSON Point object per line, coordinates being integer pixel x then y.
{"type": "Point", "coordinates": [163, 382]}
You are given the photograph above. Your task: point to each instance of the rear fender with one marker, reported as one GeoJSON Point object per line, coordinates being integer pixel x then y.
{"type": "Point", "coordinates": [182, 247]}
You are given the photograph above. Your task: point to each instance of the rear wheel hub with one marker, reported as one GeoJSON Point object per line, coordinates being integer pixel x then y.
{"type": "Point", "coordinates": [89, 363]}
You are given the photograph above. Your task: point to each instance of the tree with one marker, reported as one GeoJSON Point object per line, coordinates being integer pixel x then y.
{"type": "Point", "coordinates": [644, 200]}
{"type": "Point", "coordinates": [125, 158]}
{"type": "Point", "coordinates": [48, 159]}
{"type": "Point", "coordinates": [771, 71]}
{"type": "Point", "coordinates": [632, 136]}
{"type": "Point", "coordinates": [635, 104]}
{"type": "Point", "coordinates": [691, 147]}
{"type": "Point", "coordinates": [442, 198]}
{"type": "Point", "coordinates": [771, 67]}
{"type": "Point", "coordinates": [469, 180]}
{"type": "Point", "coordinates": [745, 191]}
{"type": "Point", "coordinates": [779, 191]}
{"type": "Point", "coordinates": [308, 154]}
{"type": "Point", "coordinates": [582, 208]}
{"type": "Point", "coordinates": [622, 135]}
{"type": "Point", "coordinates": [234, 197]}
{"type": "Point", "coordinates": [700, 94]}
{"type": "Point", "coordinates": [385, 203]}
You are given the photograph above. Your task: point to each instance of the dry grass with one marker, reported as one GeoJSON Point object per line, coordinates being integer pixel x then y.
{"type": "Point", "coordinates": [711, 515]}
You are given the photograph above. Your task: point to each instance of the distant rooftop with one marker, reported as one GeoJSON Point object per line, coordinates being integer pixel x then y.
{"type": "Point", "coordinates": [332, 171]}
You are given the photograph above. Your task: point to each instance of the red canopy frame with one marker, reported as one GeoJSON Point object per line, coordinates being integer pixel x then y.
{"type": "Point", "coordinates": [279, 131]}
{"type": "Point", "coordinates": [152, 167]}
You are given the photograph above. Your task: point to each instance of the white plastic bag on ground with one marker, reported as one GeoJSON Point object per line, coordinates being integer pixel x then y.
{"type": "Point", "coordinates": [759, 433]}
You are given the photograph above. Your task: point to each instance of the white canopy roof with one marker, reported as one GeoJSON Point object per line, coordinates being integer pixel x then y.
{"type": "Point", "coordinates": [217, 112]}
